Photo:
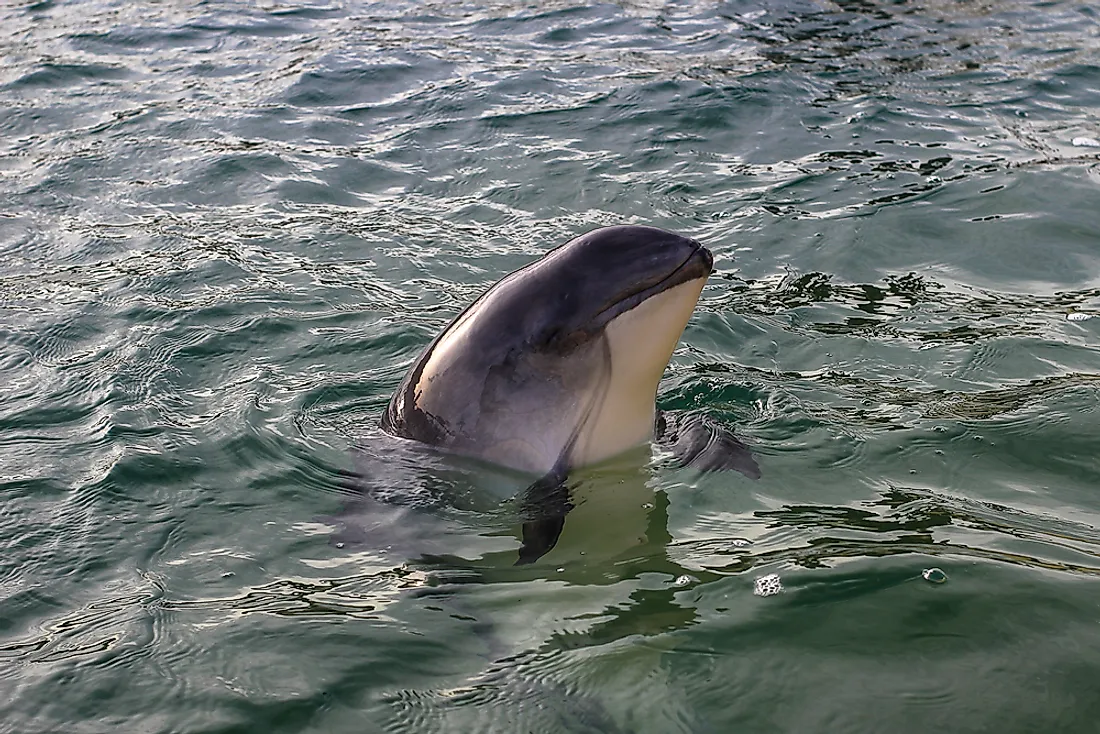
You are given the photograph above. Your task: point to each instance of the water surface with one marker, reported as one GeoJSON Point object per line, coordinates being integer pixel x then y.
{"type": "Point", "coordinates": [228, 228]}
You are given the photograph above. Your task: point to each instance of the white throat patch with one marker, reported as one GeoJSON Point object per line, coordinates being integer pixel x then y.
{"type": "Point", "coordinates": [640, 341]}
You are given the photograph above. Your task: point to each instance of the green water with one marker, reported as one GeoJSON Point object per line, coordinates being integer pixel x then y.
{"type": "Point", "coordinates": [226, 229]}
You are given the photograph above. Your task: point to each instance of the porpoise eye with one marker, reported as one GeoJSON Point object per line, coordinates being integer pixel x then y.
{"type": "Point", "coordinates": [550, 337]}
{"type": "Point", "coordinates": [563, 341]}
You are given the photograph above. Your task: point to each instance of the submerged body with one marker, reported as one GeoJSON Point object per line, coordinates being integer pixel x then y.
{"type": "Point", "coordinates": [557, 365]}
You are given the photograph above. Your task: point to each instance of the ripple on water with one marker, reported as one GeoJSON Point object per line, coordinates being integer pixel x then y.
{"type": "Point", "coordinates": [906, 520]}
{"type": "Point", "coordinates": [517, 694]}
{"type": "Point", "coordinates": [832, 646]}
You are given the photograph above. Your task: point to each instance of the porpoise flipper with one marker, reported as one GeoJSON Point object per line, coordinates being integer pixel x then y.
{"type": "Point", "coordinates": [703, 444]}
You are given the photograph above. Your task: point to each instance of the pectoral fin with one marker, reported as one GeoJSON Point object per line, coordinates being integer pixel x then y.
{"type": "Point", "coordinates": [704, 444]}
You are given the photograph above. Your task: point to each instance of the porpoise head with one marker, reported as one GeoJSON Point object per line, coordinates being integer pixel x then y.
{"type": "Point", "coordinates": [557, 365]}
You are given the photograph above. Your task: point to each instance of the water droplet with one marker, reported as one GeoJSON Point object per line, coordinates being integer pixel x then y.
{"type": "Point", "coordinates": [682, 580]}
{"type": "Point", "coordinates": [339, 545]}
{"type": "Point", "coordinates": [1078, 316]}
{"type": "Point", "coordinates": [935, 575]}
{"type": "Point", "coordinates": [561, 569]}
{"type": "Point", "coordinates": [767, 585]}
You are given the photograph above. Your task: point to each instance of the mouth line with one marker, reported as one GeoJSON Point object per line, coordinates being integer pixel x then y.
{"type": "Point", "coordinates": [680, 275]}
{"type": "Point", "coordinates": [698, 264]}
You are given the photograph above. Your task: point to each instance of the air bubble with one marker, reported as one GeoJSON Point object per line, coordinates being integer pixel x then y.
{"type": "Point", "coordinates": [767, 585]}
{"type": "Point", "coordinates": [934, 575]}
